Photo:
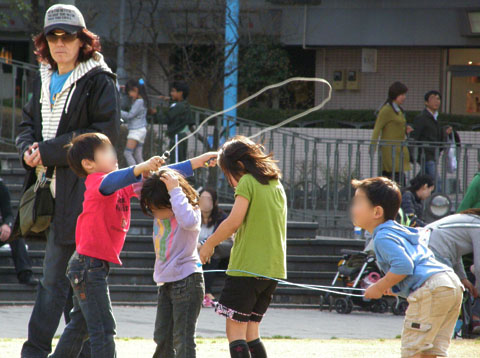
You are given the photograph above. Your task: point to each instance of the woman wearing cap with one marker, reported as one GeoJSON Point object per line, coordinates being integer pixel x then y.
{"type": "Point", "coordinates": [74, 94]}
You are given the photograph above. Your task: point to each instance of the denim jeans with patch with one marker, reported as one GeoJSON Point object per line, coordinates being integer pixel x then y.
{"type": "Point", "coordinates": [91, 316]}
{"type": "Point", "coordinates": [179, 305]}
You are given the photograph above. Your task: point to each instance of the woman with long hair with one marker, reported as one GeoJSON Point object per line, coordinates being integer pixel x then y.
{"type": "Point", "coordinates": [212, 217]}
{"type": "Point", "coordinates": [391, 127]}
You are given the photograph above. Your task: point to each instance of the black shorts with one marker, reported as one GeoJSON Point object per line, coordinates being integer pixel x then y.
{"type": "Point", "coordinates": [245, 299]}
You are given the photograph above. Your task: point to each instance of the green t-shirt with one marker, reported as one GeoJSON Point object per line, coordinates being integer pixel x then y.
{"type": "Point", "coordinates": [261, 241]}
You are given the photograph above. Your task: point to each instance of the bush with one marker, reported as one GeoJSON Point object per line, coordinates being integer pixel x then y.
{"type": "Point", "coordinates": [338, 118]}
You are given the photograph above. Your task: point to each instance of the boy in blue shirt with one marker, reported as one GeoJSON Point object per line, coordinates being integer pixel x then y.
{"type": "Point", "coordinates": [433, 291]}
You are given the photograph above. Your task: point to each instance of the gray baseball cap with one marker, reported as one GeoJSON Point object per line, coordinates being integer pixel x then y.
{"type": "Point", "coordinates": [64, 17]}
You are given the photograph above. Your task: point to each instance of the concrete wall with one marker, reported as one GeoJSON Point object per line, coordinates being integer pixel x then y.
{"type": "Point", "coordinates": [418, 68]}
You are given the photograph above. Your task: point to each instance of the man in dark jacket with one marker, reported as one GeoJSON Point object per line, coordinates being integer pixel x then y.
{"type": "Point", "coordinates": [73, 97]}
{"type": "Point", "coordinates": [426, 129]}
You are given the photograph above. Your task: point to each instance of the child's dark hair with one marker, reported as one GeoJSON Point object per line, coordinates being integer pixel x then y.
{"type": "Point", "coordinates": [82, 147]}
{"type": "Point", "coordinates": [240, 155]}
{"type": "Point", "coordinates": [154, 192]}
{"type": "Point", "coordinates": [419, 181]}
{"type": "Point", "coordinates": [181, 86]}
{"type": "Point", "coordinates": [381, 192]}
{"type": "Point", "coordinates": [142, 89]}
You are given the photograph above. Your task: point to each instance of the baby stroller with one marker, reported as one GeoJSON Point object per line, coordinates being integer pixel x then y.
{"type": "Point", "coordinates": [463, 328]}
{"type": "Point", "coordinates": [358, 270]}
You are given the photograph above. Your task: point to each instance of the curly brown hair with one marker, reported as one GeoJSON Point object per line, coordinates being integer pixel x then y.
{"type": "Point", "coordinates": [240, 155]}
{"type": "Point", "coordinates": [91, 44]}
{"type": "Point", "coordinates": [155, 194]}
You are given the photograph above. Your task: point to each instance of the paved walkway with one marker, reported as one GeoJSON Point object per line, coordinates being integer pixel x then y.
{"type": "Point", "coordinates": [139, 322]}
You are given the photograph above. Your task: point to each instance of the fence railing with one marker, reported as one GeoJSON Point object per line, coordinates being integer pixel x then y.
{"type": "Point", "coordinates": [16, 79]}
{"type": "Point", "coordinates": [317, 172]}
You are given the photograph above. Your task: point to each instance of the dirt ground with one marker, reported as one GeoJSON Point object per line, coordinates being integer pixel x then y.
{"type": "Point", "coordinates": [277, 347]}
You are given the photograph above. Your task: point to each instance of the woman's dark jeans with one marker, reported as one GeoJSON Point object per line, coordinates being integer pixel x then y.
{"type": "Point", "coordinates": [178, 308]}
{"type": "Point", "coordinates": [91, 316]}
{"type": "Point", "coordinates": [52, 301]}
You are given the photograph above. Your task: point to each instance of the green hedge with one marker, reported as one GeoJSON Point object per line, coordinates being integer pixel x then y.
{"type": "Point", "coordinates": [333, 118]}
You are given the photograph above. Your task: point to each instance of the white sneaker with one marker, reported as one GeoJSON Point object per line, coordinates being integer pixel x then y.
{"type": "Point", "coordinates": [5, 248]}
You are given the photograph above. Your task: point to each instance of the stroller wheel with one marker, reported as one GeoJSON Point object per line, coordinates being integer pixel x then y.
{"type": "Point", "coordinates": [322, 302]}
{"type": "Point", "coordinates": [380, 306]}
{"type": "Point", "coordinates": [343, 305]}
{"type": "Point", "coordinates": [400, 308]}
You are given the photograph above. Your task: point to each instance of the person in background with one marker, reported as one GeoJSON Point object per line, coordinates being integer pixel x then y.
{"type": "Point", "coordinates": [420, 189]}
{"type": "Point", "coordinates": [178, 119]}
{"type": "Point", "coordinates": [471, 200]}
{"type": "Point", "coordinates": [427, 129]}
{"type": "Point", "coordinates": [137, 121]}
{"type": "Point", "coordinates": [391, 125]}
{"type": "Point", "coordinates": [21, 260]}
{"type": "Point", "coordinates": [212, 217]}
{"type": "Point", "coordinates": [451, 238]}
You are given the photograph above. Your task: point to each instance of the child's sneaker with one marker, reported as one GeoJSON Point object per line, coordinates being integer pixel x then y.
{"type": "Point", "coordinates": [208, 302]}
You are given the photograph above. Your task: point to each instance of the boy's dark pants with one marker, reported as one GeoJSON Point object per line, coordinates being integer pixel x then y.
{"type": "Point", "coordinates": [51, 301]}
{"type": "Point", "coordinates": [92, 315]}
{"type": "Point", "coordinates": [178, 308]}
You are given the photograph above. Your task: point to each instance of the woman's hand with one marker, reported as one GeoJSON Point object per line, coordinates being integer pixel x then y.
{"type": "Point", "coordinates": [409, 129]}
{"type": "Point", "coordinates": [206, 252]}
{"type": "Point", "coordinates": [32, 156]}
{"type": "Point", "coordinates": [469, 286]}
{"type": "Point", "coordinates": [5, 233]}
{"type": "Point", "coordinates": [170, 180]}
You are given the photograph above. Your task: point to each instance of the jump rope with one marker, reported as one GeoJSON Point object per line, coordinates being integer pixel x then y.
{"type": "Point", "coordinates": [329, 289]}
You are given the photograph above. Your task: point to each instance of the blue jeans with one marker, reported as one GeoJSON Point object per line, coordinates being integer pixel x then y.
{"type": "Point", "coordinates": [91, 316]}
{"type": "Point", "coordinates": [431, 168]}
{"type": "Point", "coordinates": [178, 308]}
{"type": "Point", "coordinates": [51, 301]}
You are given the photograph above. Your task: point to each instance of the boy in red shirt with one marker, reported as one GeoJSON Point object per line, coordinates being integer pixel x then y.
{"type": "Point", "coordinates": [100, 235]}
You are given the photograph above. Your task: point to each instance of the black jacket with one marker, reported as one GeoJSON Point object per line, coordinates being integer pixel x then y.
{"type": "Point", "coordinates": [94, 107]}
{"type": "Point", "coordinates": [427, 129]}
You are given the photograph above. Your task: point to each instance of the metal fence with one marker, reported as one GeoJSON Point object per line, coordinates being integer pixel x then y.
{"type": "Point", "coordinates": [16, 79]}
{"type": "Point", "coordinates": [317, 172]}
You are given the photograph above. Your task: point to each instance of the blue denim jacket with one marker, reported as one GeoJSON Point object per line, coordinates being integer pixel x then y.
{"type": "Point", "coordinates": [403, 251]}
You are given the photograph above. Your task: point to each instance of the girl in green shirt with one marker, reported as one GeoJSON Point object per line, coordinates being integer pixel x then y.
{"type": "Point", "coordinates": [259, 221]}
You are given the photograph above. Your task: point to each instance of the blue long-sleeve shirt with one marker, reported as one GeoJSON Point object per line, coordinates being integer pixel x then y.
{"type": "Point", "coordinates": [121, 178]}
{"type": "Point", "coordinates": [403, 251]}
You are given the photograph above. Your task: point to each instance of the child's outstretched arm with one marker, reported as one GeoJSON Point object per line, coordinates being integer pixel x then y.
{"type": "Point", "coordinates": [209, 158]}
{"type": "Point", "coordinates": [226, 229]}
{"type": "Point", "coordinates": [119, 179]}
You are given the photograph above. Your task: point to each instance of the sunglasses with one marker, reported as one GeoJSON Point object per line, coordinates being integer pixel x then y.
{"type": "Point", "coordinates": [65, 37]}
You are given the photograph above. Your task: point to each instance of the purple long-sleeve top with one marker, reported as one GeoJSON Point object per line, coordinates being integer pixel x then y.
{"type": "Point", "coordinates": [175, 240]}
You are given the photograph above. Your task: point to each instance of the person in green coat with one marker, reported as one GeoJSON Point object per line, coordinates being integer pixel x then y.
{"type": "Point", "coordinates": [391, 125]}
{"type": "Point", "coordinates": [471, 200]}
{"type": "Point", "coordinates": [179, 119]}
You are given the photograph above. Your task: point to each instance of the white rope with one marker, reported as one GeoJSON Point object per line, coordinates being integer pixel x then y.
{"type": "Point", "coordinates": [281, 124]}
